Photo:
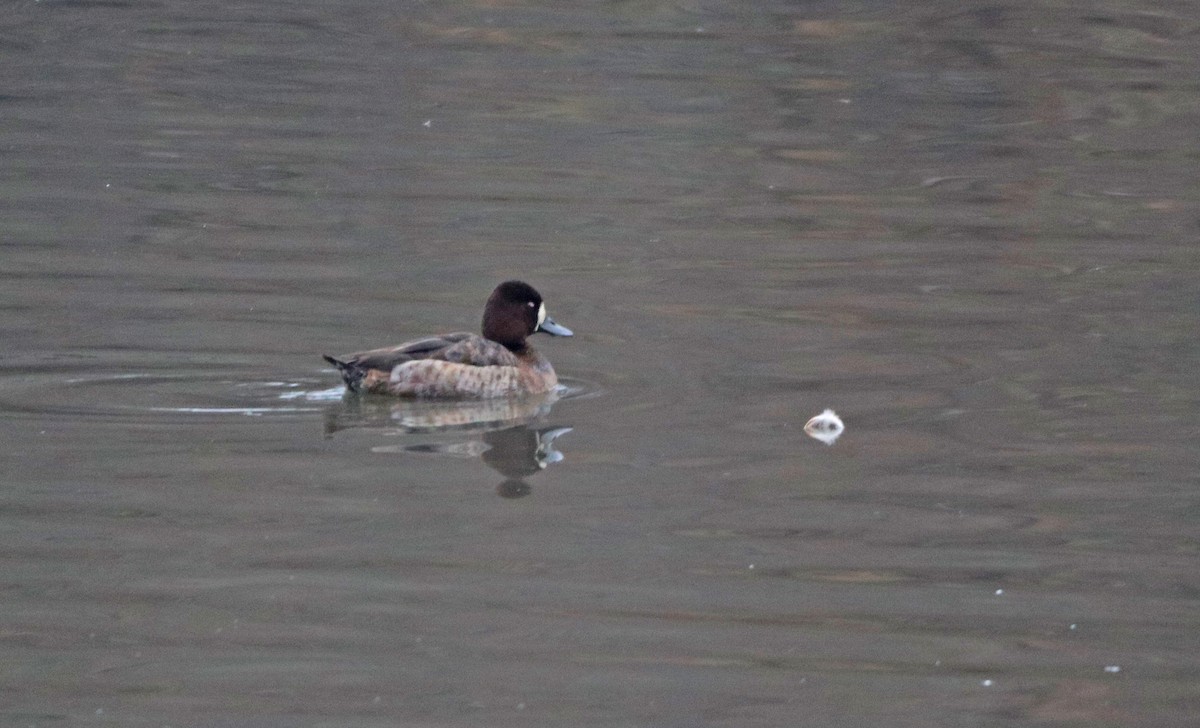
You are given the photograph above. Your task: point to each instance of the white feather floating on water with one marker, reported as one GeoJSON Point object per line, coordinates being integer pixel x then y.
{"type": "Point", "coordinates": [826, 427]}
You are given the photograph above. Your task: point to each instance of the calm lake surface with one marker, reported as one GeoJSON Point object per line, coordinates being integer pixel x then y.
{"type": "Point", "coordinates": [969, 229]}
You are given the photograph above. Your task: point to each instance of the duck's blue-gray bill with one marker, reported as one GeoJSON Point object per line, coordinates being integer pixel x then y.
{"type": "Point", "coordinates": [554, 329]}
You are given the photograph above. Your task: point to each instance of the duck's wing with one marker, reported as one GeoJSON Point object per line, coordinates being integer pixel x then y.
{"type": "Point", "coordinates": [460, 347]}
{"type": "Point", "coordinates": [478, 351]}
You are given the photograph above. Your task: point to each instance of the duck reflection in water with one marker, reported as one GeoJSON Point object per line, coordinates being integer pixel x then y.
{"type": "Point", "coordinates": [521, 451]}
{"type": "Point", "coordinates": [508, 435]}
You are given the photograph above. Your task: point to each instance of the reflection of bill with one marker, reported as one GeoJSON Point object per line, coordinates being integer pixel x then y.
{"type": "Point", "coordinates": [826, 427]}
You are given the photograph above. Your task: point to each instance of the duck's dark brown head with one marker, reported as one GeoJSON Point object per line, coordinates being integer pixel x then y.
{"type": "Point", "coordinates": [515, 311]}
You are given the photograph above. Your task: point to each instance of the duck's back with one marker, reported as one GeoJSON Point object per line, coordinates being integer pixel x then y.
{"type": "Point", "coordinates": [460, 347]}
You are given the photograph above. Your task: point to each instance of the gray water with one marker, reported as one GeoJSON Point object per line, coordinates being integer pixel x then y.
{"type": "Point", "coordinates": [971, 230]}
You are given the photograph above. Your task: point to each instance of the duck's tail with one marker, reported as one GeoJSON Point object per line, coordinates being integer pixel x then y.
{"type": "Point", "coordinates": [351, 373]}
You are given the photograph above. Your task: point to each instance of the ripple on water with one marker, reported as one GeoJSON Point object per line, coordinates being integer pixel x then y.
{"type": "Point", "coordinates": [214, 390]}
{"type": "Point", "coordinates": [183, 391]}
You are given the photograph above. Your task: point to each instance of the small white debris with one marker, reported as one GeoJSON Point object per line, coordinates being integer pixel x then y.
{"type": "Point", "coordinates": [826, 427]}
{"type": "Point", "coordinates": [987, 683]}
{"type": "Point", "coordinates": [428, 123]}
{"type": "Point", "coordinates": [1074, 627]}
{"type": "Point", "coordinates": [751, 566]}
{"type": "Point", "coordinates": [999, 592]}
{"type": "Point", "coordinates": [1112, 668]}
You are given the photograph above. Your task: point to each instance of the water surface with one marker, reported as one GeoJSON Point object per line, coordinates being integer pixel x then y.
{"type": "Point", "coordinates": [971, 230]}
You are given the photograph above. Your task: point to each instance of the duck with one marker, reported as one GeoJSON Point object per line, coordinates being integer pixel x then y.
{"type": "Point", "coordinates": [462, 365]}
